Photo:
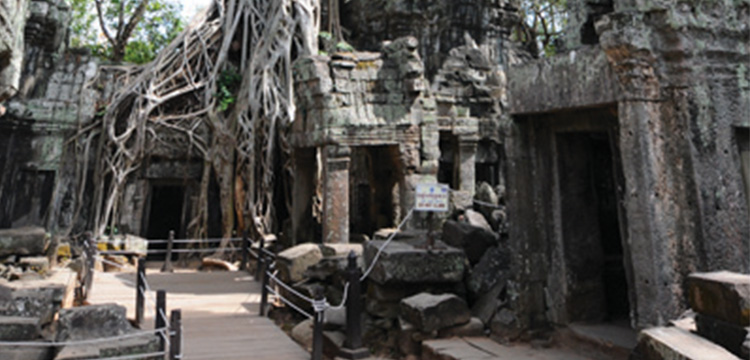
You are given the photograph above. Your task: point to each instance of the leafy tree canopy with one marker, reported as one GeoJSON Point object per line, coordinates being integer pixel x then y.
{"type": "Point", "coordinates": [124, 30]}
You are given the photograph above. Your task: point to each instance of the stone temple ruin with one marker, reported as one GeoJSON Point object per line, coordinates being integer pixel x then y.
{"type": "Point", "coordinates": [587, 186]}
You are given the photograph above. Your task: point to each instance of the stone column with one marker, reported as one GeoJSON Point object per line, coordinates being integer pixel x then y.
{"type": "Point", "coordinates": [336, 161]}
{"type": "Point", "coordinates": [467, 153]}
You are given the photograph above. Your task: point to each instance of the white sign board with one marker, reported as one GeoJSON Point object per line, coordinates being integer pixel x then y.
{"type": "Point", "coordinates": [432, 197]}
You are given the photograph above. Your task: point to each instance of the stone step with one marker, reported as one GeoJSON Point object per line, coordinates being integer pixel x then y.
{"type": "Point", "coordinates": [17, 328]}
{"type": "Point", "coordinates": [723, 295]}
{"type": "Point", "coordinates": [605, 341]}
{"type": "Point", "coordinates": [482, 348]}
{"type": "Point", "coordinates": [671, 343]}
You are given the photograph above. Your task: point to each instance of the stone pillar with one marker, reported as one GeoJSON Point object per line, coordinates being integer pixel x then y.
{"type": "Point", "coordinates": [336, 161]}
{"type": "Point", "coordinates": [467, 153]}
{"type": "Point", "coordinates": [305, 166]}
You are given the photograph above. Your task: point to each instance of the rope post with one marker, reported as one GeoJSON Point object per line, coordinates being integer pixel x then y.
{"type": "Point", "coordinates": [317, 349]}
{"type": "Point", "coordinates": [263, 268]}
{"type": "Point", "coordinates": [175, 344]}
{"type": "Point", "coordinates": [161, 308]}
{"type": "Point", "coordinates": [245, 249]}
{"type": "Point", "coordinates": [353, 348]}
{"type": "Point", "coordinates": [261, 256]}
{"type": "Point", "coordinates": [140, 289]}
{"type": "Point", "coordinates": [167, 267]}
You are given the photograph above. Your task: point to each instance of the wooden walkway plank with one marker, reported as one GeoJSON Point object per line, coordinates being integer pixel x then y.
{"type": "Point", "coordinates": [219, 313]}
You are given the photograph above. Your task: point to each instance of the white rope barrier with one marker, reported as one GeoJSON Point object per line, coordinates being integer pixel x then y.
{"type": "Point", "coordinates": [289, 303]}
{"type": "Point", "coordinates": [385, 244]}
{"type": "Point", "coordinates": [289, 288]}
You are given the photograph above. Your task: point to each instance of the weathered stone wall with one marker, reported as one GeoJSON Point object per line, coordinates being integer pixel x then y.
{"type": "Point", "coordinates": [676, 81]}
{"type": "Point", "coordinates": [438, 25]}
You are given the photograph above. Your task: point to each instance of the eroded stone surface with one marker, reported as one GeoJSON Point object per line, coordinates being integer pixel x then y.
{"type": "Point", "coordinates": [401, 262]}
{"type": "Point", "coordinates": [429, 312]}
{"type": "Point", "coordinates": [294, 261]}
{"type": "Point", "coordinates": [675, 344]}
{"type": "Point", "coordinates": [23, 241]}
{"type": "Point", "coordinates": [722, 295]}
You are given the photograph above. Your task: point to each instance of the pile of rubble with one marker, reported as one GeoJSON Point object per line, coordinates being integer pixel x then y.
{"type": "Point", "coordinates": [457, 286]}
{"type": "Point", "coordinates": [37, 298]}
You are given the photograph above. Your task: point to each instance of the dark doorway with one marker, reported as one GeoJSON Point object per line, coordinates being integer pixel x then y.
{"type": "Point", "coordinates": [590, 226]}
{"type": "Point", "coordinates": [165, 214]}
{"type": "Point", "coordinates": [373, 185]}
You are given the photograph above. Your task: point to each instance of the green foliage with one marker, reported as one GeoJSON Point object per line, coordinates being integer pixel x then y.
{"type": "Point", "coordinates": [226, 86]}
{"type": "Point", "coordinates": [159, 25]}
{"type": "Point", "coordinates": [543, 22]}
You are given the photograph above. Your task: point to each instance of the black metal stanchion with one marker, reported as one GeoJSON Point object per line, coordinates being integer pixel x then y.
{"type": "Point", "coordinates": [317, 350]}
{"type": "Point", "coordinates": [175, 343]}
{"type": "Point", "coordinates": [140, 289]}
{"type": "Point", "coordinates": [245, 248]}
{"type": "Point", "coordinates": [353, 348]}
{"type": "Point", "coordinates": [167, 267]}
{"type": "Point", "coordinates": [263, 269]}
{"type": "Point", "coordinates": [161, 312]}
{"type": "Point", "coordinates": [261, 255]}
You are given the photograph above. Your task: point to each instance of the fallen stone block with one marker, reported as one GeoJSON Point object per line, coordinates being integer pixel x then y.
{"type": "Point", "coordinates": [730, 336]}
{"type": "Point", "coordinates": [488, 303]}
{"type": "Point", "coordinates": [293, 262]}
{"type": "Point", "coordinates": [23, 241]}
{"type": "Point", "coordinates": [505, 325]}
{"type": "Point", "coordinates": [670, 343]}
{"type": "Point", "coordinates": [476, 219]}
{"type": "Point", "coordinates": [26, 353]}
{"type": "Point", "coordinates": [472, 239]}
{"type": "Point", "coordinates": [16, 328]}
{"type": "Point", "coordinates": [92, 322]}
{"type": "Point", "coordinates": [402, 262]}
{"type": "Point", "coordinates": [302, 333]}
{"type": "Point", "coordinates": [434, 312]}
{"type": "Point", "coordinates": [722, 295]}
{"type": "Point", "coordinates": [492, 269]}
{"type": "Point", "coordinates": [38, 264]}
{"type": "Point", "coordinates": [473, 328]}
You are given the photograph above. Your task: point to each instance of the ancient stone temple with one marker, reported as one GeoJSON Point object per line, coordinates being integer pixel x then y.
{"type": "Point", "coordinates": [628, 160]}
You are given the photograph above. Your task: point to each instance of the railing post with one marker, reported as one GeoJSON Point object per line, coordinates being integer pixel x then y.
{"type": "Point", "coordinates": [140, 289]}
{"type": "Point", "coordinates": [263, 261]}
{"type": "Point", "coordinates": [261, 255]}
{"type": "Point", "coordinates": [175, 344]}
{"type": "Point", "coordinates": [167, 267]}
{"type": "Point", "coordinates": [317, 350]}
{"type": "Point", "coordinates": [245, 248]}
{"type": "Point", "coordinates": [353, 348]}
{"type": "Point", "coordinates": [161, 312]}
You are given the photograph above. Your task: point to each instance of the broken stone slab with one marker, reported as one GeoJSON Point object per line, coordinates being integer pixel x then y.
{"type": "Point", "coordinates": [341, 249]}
{"type": "Point", "coordinates": [473, 328]}
{"type": "Point", "coordinates": [401, 262]}
{"type": "Point", "coordinates": [302, 333]}
{"type": "Point", "coordinates": [475, 218]}
{"type": "Point", "coordinates": [505, 325]}
{"type": "Point", "coordinates": [492, 269]}
{"type": "Point", "coordinates": [670, 343]}
{"type": "Point", "coordinates": [486, 307]}
{"type": "Point", "coordinates": [40, 303]}
{"type": "Point", "coordinates": [17, 328]}
{"type": "Point", "coordinates": [37, 264]}
{"type": "Point", "coordinates": [430, 312]}
{"type": "Point", "coordinates": [728, 335]}
{"type": "Point", "coordinates": [293, 262]}
{"type": "Point", "coordinates": [129, 348]}
{"type": "Point", "coordinates": [92, 322]}
{"type": "Point", "coordinates": [23, 241]}
{"type": "Point", "coordinates": [27, 353]}
{"type": "Point", "coordinates": [723, 295]}
{"type": "Point", "coordinates": [473, 240]}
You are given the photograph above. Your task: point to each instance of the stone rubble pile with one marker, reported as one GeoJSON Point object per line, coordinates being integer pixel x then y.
{"type": "Point", "coordinates": [458, 287]}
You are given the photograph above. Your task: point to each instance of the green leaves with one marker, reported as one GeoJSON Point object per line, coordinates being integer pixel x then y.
{"type": "Point", "coordinates": [160, 23]}
{"type": "Point", "coordinates": [226, 86]}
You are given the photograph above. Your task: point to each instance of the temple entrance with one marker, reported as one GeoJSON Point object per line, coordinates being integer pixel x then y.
{"type": "Point", "coordinates": [165, 213]}
{"type": "Point", "coordinates": [589, 223]}
{"type": "Point", "coordinates": [374, 192]}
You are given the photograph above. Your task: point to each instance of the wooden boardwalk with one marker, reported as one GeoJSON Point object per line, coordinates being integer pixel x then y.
{"type": "Point", "coordinates": [219, 311]}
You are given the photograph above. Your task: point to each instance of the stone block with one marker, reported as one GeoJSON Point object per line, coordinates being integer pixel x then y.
{"type": "Point", "coordinates": [670, 343]}
{"type": "Point", "coordinates": [505, 325]}
{"type": "Point", "coordinates": [23, 241]}
{"type": "Point", "coordinates": [383, 309]}
{"type": "Point", "coordinates": [487, 304]}
{"type": "Point", "coordinates": [333, 341]}
{"type": "Point", "coordinates": [401, 262]}
{"type": "Point", "coordinates": [302, 333]}
{"type": "Point", "coordinates": [92, 322]}
{"type": "Point", "coordinates": [16, 328]}
{"type": "Point", "coordinates": [730, 336]}
{"type": "Point", "coordinates": [430, 312]}
{"type": "Point", "coordinates": [38, 264]}
{"type": "Point", "coordinates": [473, 328]}
{"type": "Point", "coordinates": [493, 268]}
{"type": "Point", "coordinates": [722, 295]}
{"type": "Point", "coordinates": [472, 239]}
{"type": "Point", "coordinates": [26, 353]}
{"type": "Point", "coordinates": [294, 261]}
